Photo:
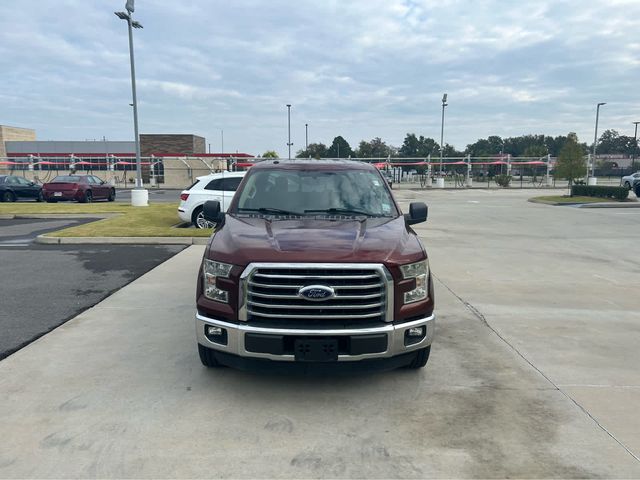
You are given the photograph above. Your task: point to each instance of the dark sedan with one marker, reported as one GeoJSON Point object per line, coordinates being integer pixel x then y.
{"type": "Point", "coordinates": [13, 188]}
{"type": "Point", "coordinates": [80, 188]}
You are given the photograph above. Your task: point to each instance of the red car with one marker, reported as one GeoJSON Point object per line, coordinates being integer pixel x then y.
{"type": "Point", "coordinates": [81, 188]}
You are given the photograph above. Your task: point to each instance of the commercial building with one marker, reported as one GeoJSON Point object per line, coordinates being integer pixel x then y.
{"type": "Point", "coordinates": [169, 160]}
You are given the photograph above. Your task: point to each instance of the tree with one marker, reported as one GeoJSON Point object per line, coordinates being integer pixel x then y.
{"type": "Point", "coordinates": [375, 148]}
{"type": "Point", "coordinates": [314, 150]}
{"type": "Point", "coordinates": [270, 154]}
{"type": "Point", "coordinates": [611, 142]}
{"type": "Point", "coordinates": [571, 162]}
{"type": "Point", "coordinates": [535, 151]}
{"type": "Point", "coordinates": [340, 148]}
{"type": "Point", "coordinates": [418, 146]}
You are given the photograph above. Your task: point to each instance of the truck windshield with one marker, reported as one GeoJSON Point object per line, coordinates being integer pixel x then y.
{"type": "Point", "coordinates": [300, 192]}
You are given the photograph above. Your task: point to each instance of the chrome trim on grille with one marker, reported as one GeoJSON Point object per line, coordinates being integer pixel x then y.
{"type": "Point", "coordinates": [291, 301]}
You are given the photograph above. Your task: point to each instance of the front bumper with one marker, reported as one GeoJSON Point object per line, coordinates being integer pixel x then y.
{"type": "Point", "coordinates": [235, 338]}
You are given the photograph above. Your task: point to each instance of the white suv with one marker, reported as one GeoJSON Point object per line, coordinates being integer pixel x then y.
{"type": "Point", "coordinates": [217, 186]}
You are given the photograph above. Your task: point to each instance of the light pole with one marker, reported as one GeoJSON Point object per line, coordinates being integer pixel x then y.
{"type": "Point", "coordinates": [306, 136]}
{"type": "Point", "coordinates": [221, 141]}
{"type": "Point", "coordinates": [595, 140]}
{"type": "Point", "coordinates": [635, 145]}
{"type": "Point", "coordinates": [444, 104]}
{"type": "Point", "coordinates": [139, 196]}
{"type": "Point", "coordinates": [289, 128]}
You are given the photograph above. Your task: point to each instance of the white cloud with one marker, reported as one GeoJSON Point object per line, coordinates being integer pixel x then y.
{"type": "Point", "coordinates": [360, 68]}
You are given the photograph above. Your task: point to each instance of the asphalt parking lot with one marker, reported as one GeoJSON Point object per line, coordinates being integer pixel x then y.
{"type": "Point", "coordinates": [43, 286]}
{"type": "Point", "coordinates": [533, 372]}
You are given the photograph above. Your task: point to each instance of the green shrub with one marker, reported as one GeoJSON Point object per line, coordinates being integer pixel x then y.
{"type": "Point", "coordinates": [617, 193]}
{"type": "Point", "coordinates": [503, 180]}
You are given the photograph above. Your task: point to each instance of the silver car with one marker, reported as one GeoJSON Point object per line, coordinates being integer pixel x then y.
{"type": "Point", "coordinates": [628, 180]}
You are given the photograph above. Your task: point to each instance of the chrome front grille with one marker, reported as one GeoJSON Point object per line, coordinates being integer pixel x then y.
{"type": "Point", "coordinates": [270, 292]}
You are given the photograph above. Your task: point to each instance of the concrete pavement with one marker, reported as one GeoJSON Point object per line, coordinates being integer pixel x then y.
{"type": "Point", "coordinates": [532, 373]}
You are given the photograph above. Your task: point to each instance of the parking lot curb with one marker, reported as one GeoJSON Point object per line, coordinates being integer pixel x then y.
{"type": "Point", "coordinates": [48, 240]}
{"type": "Point", "coordinates": [611, 205]}
{"type": "Point", "coordinates": [586, 205]}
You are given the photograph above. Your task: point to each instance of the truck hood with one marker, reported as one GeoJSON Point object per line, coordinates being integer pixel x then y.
{"type": "Point", "coordinates": [312, 239]}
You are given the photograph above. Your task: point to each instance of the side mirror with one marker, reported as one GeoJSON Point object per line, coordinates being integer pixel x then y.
{"type": "Point", "coordinates": [31, 184]}
{"type": "Point", "coordinates": [211, 211]}
{"type": "Point", "coordinates": [417, 213]}
{"type": "Point", "coordinates": [102, 182]}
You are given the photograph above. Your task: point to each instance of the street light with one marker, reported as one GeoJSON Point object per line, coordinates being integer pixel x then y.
{"type": "Point", "coordinates": [306, 136]}
{"type": "Point", "coordinates": [444, 104]}
{"type": "Point", "coordinates": [289, 128]}
{"type": "Point", "coordinates": [139, 196]}
{"type": "Point", "coordinates": [595, 139]}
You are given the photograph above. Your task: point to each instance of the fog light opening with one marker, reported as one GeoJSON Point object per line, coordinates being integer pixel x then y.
{"type": "Point", "coordinates": [414, 335]}
{"type": "Point", "coordinates": [216, 334]}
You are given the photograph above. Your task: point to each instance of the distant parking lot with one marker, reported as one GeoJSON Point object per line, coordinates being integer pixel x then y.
{"type": "Point", "coordinates": [155, 195]}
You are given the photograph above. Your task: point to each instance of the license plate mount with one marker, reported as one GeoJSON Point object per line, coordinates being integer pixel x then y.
{"type": "Point", "coordinates": [57, 194]}
{"type": "Point", "coordinates": [316, 350]}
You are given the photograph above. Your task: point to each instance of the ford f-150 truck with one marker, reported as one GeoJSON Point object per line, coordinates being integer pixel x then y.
{"type": "Point", "coordinates": [314, 263]}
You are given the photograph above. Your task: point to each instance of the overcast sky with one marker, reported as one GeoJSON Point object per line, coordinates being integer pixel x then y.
{"type": "Point", "coordinates": [359, 69]}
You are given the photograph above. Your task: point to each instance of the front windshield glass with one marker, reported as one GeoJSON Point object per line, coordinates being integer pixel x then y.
{"type": "Point", "coordinates": [300, 192]}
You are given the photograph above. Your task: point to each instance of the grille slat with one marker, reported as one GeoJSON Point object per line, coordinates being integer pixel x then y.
{"type": "Point", "coordinates": [297, 297]}
{"type": "Point", "coordinates": [317, 306]}
{"type": "Point", "coordinates": [360, 293]}
{"type": "Point", "coordinates": [316, 277]}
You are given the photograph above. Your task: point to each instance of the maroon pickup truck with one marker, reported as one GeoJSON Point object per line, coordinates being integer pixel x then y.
{"type": "Point", "coordinates": [313, 264]}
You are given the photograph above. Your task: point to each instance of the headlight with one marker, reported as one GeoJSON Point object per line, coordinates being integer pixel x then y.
{"type": "Point", "coordinates": [419, 271]}
{"type": "Point", "coordinates": [212, 270]}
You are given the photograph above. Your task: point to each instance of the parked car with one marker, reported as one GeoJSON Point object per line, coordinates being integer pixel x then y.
{"type": "Point", "coordinates": [636, 187]}
{"type": "Point", "coordinates": [14, 188]}
{"type": "Point", "coordinates": [627, 181]}
{"type": "Point", "coordinates": [388, 176]}
{"type": "Point", "coordinates": [314, 263]}
{"type": "Point", "coordinates": [80, 188]}
{"type": "Point", "coordinates": [217, 186]}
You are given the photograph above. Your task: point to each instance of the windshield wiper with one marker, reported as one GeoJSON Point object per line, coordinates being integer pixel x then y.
{"type": "Point", "coordinates": [343, 211]}
{"type": "Point", "coordinates": [268, 211]}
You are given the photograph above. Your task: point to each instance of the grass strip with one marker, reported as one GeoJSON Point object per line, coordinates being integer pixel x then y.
{"type": "Point", "coordinates": [156, 220]}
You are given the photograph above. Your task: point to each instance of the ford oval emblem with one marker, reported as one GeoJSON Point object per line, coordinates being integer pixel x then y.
{"type": "Point", "coordinates": [316, 293]}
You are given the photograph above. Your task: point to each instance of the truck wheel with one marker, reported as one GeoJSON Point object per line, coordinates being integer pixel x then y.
{"type": "Point", "coordinates": [421, 358]}
{"type": "Point", "coordinates": [207, 357]}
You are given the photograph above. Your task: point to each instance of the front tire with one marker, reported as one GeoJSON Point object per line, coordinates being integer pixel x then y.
{"type": "Point", "coordinates": [627, 185]}
{"type": "Point", "coordinates": [8, 197]}
{"type": "Point", "coordinates": [40, 197]}
{"type": "Point", "coordinates": [198, 220]}
{"type": "Point", "coordinates": [421, 358]}
{"type": "Point", "coordinates": [207, 357]}
{"type": "Point", "coordinates": [112, 195]}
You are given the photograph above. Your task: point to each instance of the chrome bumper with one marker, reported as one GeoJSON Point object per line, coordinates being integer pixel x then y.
{"type": "Point", "coordinates": [235, 337]}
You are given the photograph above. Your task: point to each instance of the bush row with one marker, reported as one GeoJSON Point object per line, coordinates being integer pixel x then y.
{"type": "Point", "coordinates": [618, 193]}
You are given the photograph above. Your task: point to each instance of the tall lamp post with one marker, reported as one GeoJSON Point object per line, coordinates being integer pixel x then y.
{"type": "Point", "coordinates": [306, 136]}
{"type": "Point", "coordinates": [444, 104]}
{"type": "Point", "coordinates": [289, 128]}
{"type": "Point", "coordinates": [595, 140]}
{"type": "Point", "coordinates": [635, 145]}
{"type": "Point", "coordinates": [139, 196]}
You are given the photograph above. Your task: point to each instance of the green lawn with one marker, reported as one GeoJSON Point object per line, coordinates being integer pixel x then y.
{"type": "Point", "coordinates": [156, 220]}
{"type": "Point", "coordinates": [568, 199]}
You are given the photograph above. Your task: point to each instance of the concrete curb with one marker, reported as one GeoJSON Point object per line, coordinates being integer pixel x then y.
{"type": "Point", "coordinates": [47, 240]}
{"type": "Point", "coordinates": [588, 205]}
{"type": "Point", "coordinates": [611, 205]}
